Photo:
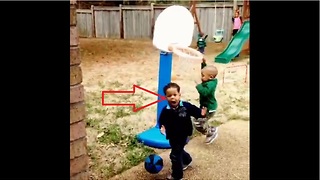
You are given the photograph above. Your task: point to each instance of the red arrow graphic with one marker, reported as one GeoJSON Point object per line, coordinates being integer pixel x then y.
{"type": "Point", "coordinates": [131, 92]}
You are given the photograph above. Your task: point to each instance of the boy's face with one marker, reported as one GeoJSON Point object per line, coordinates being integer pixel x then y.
{"type": "Point", "coordinates": [237, 14]}
{"type": "Point", "coordinates": [205, 76]}
{"type": "Point", "coordinates": [173, 97]}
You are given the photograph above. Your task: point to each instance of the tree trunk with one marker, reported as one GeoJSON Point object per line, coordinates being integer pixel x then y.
{"type": "Point", "coordinates": [78, 141]}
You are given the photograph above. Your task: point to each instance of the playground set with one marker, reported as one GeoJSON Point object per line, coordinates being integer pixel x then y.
{"type": "Point", "coordinates": [177, 41]}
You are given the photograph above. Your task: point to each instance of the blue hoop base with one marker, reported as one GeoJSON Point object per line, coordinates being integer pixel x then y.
{"type": "Point", "coordinates": [153, 138]}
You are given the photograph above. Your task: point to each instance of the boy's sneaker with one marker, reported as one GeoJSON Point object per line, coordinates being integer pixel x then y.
{"type": "Point", "coordinates": [211, 136]}
{"type": "Point", "coordinates": [214, 130]}
{"type": "Point", "coordinates": [169, 177]}
{"type": "Point", "coordinates": [185, 166]}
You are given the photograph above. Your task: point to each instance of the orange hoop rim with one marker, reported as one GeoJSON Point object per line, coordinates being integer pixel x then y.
{"type": "Point", "coordinates": [186, 52]}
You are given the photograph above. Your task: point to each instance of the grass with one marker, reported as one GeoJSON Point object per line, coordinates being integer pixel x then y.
{"type": "Point", "coordinates": [113, 146]}
{"type": "Point", "coordinates": [122, 112]}
{"type": "Point", "coordinates": [93, 123]}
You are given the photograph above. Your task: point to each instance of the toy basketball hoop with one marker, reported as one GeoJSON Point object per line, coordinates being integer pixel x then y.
{"type": "Point", "coordinates": [173, 32]}
{"type": "Point", "coordinates": [189, 59]}
{"type": "Point", "coordinates": [186, 53]}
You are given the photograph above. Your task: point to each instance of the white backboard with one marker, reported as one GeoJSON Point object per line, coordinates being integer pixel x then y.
{"type": "Point", "coordinates": [174, 25]}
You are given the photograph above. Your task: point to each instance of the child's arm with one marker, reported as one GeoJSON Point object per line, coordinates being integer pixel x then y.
{"type": "Point", "coordinates": [163, 130]}
{"type": "Point", "coordinates": [194, 111]}
{"type": "Point", "coordinates": [162, 118]}
{"type": "Point", "coordinates": [232, 19]}
{"type": "Point", "coordinates": [203, 64]}
{"type": "Point", "coordinates": [203, 89]}
{"type": "Point", "coordinates": [206, 89]}
{"type": "Point", "coordinates": [162, 123]}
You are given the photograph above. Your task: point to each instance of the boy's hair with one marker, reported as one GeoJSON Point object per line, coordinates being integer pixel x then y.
{"type": "Point", "coordinates": [171, 85]}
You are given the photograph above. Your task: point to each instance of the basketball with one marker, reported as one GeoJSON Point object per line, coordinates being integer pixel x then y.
{"type": "Point", "coordinates": [153, 164]}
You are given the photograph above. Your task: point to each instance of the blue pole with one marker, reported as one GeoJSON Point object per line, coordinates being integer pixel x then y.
{"type": "Point", "coordinates": [165, 67]}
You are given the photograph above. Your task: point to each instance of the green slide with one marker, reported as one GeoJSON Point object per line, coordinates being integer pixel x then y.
{"type": "Point", "coordinates": [235, 45]}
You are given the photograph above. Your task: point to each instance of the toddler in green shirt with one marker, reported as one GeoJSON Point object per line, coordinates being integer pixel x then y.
{"type": "Point", "coordinates": [208, 102]}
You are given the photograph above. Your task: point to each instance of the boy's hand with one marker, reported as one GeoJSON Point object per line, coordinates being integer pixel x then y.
{"type": "Point", "coordinates": [163, 130]}
{"type": "Point", "coordinates": [204, 111]}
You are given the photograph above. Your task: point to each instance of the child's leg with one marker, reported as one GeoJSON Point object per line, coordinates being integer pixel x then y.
{"type": "Point", "coordinates": [209, 117]}
{"type": "Point", "coordinates": [200, 125]}
{"type": "Point", "coordinates": [234, 32]}
{"type": "Point", "coordinates": [202, 50]}
{"type": "Point", "coordinates": [212, 132]}
{"type": "Point", "coordinates": [186, 160]}
{"type": "Point", "coordinates": [176, 156]}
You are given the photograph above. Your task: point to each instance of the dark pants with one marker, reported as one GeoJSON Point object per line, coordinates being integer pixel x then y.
{"type": "Point", "coordinates": [234, 32]}
{"type": "Point", "coordinates": [202, 125]}
{"type": "Point", "coordinates": [178, 157]}
{"type": "Point", "coordinates": [201, 50]}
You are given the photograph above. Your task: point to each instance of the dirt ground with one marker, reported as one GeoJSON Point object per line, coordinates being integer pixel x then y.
{"type": "Point", "coordinates": [118, 64]}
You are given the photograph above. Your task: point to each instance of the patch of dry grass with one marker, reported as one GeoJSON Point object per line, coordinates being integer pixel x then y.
{"type": "Point", "coordinates": [112, 145]}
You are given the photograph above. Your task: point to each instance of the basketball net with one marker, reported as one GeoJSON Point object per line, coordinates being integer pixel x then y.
{"type": "Point", "coordinates": [189, 60]}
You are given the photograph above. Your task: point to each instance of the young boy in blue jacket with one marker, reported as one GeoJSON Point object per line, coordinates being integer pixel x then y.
{"type": "Point", "coordinates": [175, 123]}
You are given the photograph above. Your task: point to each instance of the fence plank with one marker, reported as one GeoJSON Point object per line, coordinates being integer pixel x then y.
{"type": "Point", "coordinates": [93, 22]}
{"type": "Point", "coordinates": [137, 24]}
{"type": "Point", "coordinates": [84, 24]}
{"type": "Point", "coordinates": [121, 22]}
{"type": "Point", "coordinates": [83, 11]}
{"type": "Point", "coordinates": [152, 19]}
{"type": "Point", "coordinates": [139, 8]}
{"type": "Point", "coordinates": [106, 8]}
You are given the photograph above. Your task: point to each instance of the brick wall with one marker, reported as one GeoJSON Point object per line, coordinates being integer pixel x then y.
{"type": "Point", "coordinates": [78, 141]}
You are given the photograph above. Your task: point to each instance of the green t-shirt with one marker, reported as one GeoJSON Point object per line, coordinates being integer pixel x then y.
{"type": "Point", "coordinates": [201, 43]}
{"type": "Point", "coordinates": [207, 91]}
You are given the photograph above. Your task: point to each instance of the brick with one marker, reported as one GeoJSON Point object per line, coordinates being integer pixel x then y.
{"type": "Point", "coordinates": [75, 55]}
{"type": "Point", "coordinates": [76, 93]}
{"type": "Point", "coordinates": [74, 38]}
{"type": "Point", "coordinates": [73, 15]}
{"type": "Point", "coordinates": [78, 165]}
{"type": "Point", "coordinates": [78, 148]}
{"type": "Point", "coordinates": [75, 75]}
{"type": "Point", "coordinates": [77, 112]}
{"type": "Point", "coordinates": [81, 176]}
{"type": "Point", "coordinates": [77, 130]}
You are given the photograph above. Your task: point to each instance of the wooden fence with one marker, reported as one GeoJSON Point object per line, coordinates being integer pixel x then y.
{"type": "Point", "coordinates": [129, 22]}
